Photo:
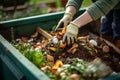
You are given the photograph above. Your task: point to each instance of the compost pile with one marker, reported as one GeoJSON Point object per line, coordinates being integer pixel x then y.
{"type": "Point", "coordinates": [90, 58]}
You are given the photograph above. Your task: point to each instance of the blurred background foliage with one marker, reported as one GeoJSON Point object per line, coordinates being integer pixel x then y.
{"type": "Point", "coordinates": [13, 9]}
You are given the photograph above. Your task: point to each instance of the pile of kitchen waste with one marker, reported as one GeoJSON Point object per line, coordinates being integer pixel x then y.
{"type": "Point", "coordinates": [90, 58]}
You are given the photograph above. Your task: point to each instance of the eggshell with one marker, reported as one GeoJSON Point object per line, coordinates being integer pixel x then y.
{"type": "Point", "coordinates": [55, 40]}
{"type": "Point", "coordinates": [93, 42]}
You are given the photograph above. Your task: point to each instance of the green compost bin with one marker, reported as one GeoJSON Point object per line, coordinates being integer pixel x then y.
{"type": "Point", "coordinates": [14, 66]}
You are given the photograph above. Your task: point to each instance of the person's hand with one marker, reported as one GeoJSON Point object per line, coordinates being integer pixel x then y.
{"type": "Point", "coordinates": [64, 21]}
{"type": "Point", "coordinates": [71, 34]}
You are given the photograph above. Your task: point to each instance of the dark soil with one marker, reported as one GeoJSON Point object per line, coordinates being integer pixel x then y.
{"type": "Point", "coordinates": [111, 58]}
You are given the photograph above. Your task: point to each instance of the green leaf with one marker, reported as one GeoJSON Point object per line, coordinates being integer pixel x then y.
{"type": "Point", "coordinates": [53, 28]}
{"type": "Point", "coordinates": [38, 58]}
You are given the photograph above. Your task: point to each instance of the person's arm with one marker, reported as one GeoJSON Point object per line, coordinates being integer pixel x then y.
{"type": "Point", "coordinates": [82, 20]}
{"type": "Point", "coordinates": [95, 11]}
{"type": "Point", "coordinates": [98, 9]}
{"type": "Point", "coordinates": [101, 7]}
{"type": "Point", "coordinates": [73, 6]}
{"type": "Point", "coordinates": [71, 9]}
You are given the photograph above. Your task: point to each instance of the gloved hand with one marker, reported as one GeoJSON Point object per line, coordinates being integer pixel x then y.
{"type": "Point", "coordinates": [71, 34]}
{"type": "Point", "coordinates": [64, 21]}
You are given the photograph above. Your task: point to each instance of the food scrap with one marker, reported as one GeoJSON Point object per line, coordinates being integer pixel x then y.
{"type": "Point", "coordinates": [82, 60]}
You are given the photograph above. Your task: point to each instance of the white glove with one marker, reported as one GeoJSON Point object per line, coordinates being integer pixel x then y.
{"type": "Point", "coordinates": [64, 21]}
{"type": "Point", "coordinates": [71, 34]}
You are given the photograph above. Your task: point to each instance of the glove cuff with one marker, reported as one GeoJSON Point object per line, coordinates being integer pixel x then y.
{"type": "Point", "coordinates": [69, 14]}
{"type": "Point", "coordinates": [74, 24]}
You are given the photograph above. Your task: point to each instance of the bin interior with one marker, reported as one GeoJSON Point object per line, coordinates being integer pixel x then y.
{"type": "Point", "coordinates": [26, 27]}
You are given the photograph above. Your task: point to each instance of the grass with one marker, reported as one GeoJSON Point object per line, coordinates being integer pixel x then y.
{"type": "Point", "coordinates": [85, 3]}
{"type": "Point", "coordinates": [40, 1]}
{"type": "Point", "coordinates": [36, 11]}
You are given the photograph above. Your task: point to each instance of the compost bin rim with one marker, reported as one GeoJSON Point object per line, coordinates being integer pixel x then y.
{"type": "Point", "coordinates": [37, 18]}
{"type": "Point", "coordinates": [24, 62]}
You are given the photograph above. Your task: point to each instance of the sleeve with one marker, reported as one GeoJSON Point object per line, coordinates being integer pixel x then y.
{"type": "Point", "coordinates": [75, 3]}
{"type": "Point", "coordinates": [101, 7]}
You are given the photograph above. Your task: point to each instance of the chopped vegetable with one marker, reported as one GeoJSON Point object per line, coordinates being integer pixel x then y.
{"type": "Point", "coordinates": [64, 30]}
{"type": "Point", "coordinates": [56, 66]}
{"type": "Point", "coordinates": [38, 58]}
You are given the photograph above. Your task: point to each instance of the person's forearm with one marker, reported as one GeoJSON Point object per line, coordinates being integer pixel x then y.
{"type": "Point", "coordinates": [83, 19]}
{"type": "Point", "coordinates": [101, 8]}
{"type": "Point", "coordinates": [71, 10]}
